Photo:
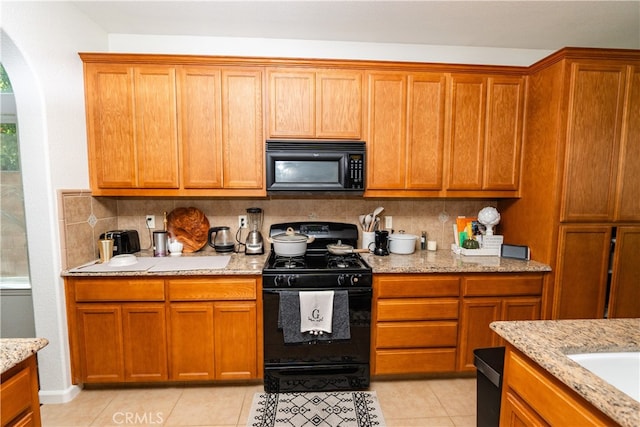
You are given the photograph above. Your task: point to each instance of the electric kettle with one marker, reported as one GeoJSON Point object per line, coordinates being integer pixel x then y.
{"type": "Point", "coordinates": [223, 241]}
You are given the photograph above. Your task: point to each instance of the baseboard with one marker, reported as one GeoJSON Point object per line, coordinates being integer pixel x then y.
{"type": "Point", "coordinates": [59, 396]}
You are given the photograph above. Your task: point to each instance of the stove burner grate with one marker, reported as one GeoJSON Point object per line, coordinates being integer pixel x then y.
{"type": "Point", "coordinates": [289, 262]}
{"type": "Point", "coordinates": [343, 261]}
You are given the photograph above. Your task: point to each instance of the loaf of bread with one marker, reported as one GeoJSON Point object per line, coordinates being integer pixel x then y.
{"type": "Point", "coordinates": [189, 226]}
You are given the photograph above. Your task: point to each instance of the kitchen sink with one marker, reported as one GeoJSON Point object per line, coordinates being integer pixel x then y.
{"type": "Point", "coordinates": [620, 369]}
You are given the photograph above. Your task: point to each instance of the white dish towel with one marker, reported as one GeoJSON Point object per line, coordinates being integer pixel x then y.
{"type": "Point", "coordinates": [316, 312]}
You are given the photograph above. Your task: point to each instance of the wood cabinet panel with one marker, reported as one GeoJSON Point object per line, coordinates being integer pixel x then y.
{"type": "Point", "coordinates": [200, 126]}
{"type": "Point", "coordinates": [19, 401]}
{"type": "Point", "coordinates": [625, 280]}
{"type": "Point", "coordinates": [100, 342]}
{"type": "Point", "coordinates": [416, 285]}
{"type": "Point", "coordinates": [415, 361]}
{"type": "Point", "coordinates": [416, 334]}
{"type": "Point", "coordinates": [235, 323]}
{"type": "Point", "coordinates": [145, 342]}
{"type": "Point", "coordinates": [512, 285]}
{"type": "Point", "coordinates": [593, 141]}
{"type": "Point", "coordinates": [467, 126]}
{"type": "Point", "coordinates": [156, 126]}
{"type": "Point", "coordinates": [110, 126]}
{"type": "Point", "coordinates": [417, 309]}
{"type": "Point", "coordinates": [581, 276]}
{"type": "Point", "coordinates": [339, 104]}
{"type": "Point", "coordinates": [503, 137]}
{"type": "Point", "coordinates": [426, 95]}
{"type": "Point", "coordinates": [191, 345]}
{"type": "Point", "coordinates": [229, 288]}
{"type": "Point", "coordinates": [100, 289]}
{"type": "Point", "coordinates": [242, 128]}
{"type": "Point", "coordinates": [292, 102]}
{"type": "Point", "coordinates": [628, 202]}
{"type": "Point", "coordinates": [386, 148]}
{"type": "Point", "coordinates": [475, 317]}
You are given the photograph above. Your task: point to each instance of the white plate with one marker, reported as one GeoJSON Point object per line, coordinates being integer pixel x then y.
{"type": "Point", "coordinates": [123, 260]}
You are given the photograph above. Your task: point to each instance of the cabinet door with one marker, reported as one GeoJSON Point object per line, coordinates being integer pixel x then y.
{"type": "Point", "coordinates": [503, 136]}
{"type": "Point", "coordinates": [593, 141]}
{"type": "Point", "coordinates": [475, 318]}
{"type": "Point", "coordinates": [200, 126]}
{"type": "Point", "coordinates": [628, 202]}
{"type": "Point", "coordinates": [156, 126]}
{"type": "Point", "coordinates": [339, 102]}
{"type": "Point", "coordinates": [387, 130]}
{"type": "Point", "coordinates": [100, 343]}
{"type": "Point", "coordinates": [242, 128]}
{"type": "Point", "coordinates": [191, 344]}
{"type": "Point", "coordinates": [581, 275]}
{"type": "Point", "coordinates": [292, 103]}
{"type": "Point", "coordinates": [426, 118]}
{"type": "Point", "coordinates": [625, 281]}
{"type": "Point", "coordinates": [466, 127]}
{"type": "Point", "coordinates": [235, 340]}
{"type": "Point", "coordinates": [110, 128]}
{"type": "Point", "coordinates": [145, 342]}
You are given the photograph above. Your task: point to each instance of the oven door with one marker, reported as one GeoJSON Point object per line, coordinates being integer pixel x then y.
{"type": "Point", "coordinates": [320, 352]}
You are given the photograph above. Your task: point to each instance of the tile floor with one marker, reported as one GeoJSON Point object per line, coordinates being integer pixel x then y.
{"type": "Point", "coordinates": [405, 403]}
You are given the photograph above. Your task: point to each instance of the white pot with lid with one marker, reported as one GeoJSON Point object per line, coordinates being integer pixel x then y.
{"type": "Point", "coordinates": [402, 243]}
{"type": "Point", "coordinates": [290, 244]}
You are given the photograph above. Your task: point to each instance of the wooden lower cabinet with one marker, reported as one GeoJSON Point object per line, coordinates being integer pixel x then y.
{"type": "Point", "coordinates": [172, 330]}
{"type": "Point", "coordinates": [429, 323]}
{"type": "Point", "coordinates": [19, 402]}
{"type": "Point", "coordinates": [533, 397]}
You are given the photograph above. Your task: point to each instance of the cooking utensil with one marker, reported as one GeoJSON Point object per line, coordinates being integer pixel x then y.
{"type": "Point", "coordinates": [367, 222]}
{"type": "Point", "coordinates": [290, 244]}
{"type": "Point", "coordinates": [401, 243]}
{"type": "Point", "coordinates": [361, 221]}
{"type": "Point", "coordinates": [342, 249]}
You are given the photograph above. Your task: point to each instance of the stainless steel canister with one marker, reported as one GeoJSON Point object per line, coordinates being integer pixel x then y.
{"type": "Point", "coordinates": [160, 243]}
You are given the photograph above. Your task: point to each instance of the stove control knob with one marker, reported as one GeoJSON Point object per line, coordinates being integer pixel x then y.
{"type": "Point", "coordinates": [291, 280]}
{"type": "Point", "coordinates": [342, 279]}
{"type": "Point", "coordinates": [279, 280]}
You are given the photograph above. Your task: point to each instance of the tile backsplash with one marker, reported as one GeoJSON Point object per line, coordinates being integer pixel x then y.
{"type": "Point", "coordinates": [84, 217]}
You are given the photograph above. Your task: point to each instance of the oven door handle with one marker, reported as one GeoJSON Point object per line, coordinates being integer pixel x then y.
{"type": "Point", "coordinates": [352, 291]}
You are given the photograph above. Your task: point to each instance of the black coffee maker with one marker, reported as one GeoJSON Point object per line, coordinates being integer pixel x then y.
{"type": "Point", "coordinates": [382, 242]}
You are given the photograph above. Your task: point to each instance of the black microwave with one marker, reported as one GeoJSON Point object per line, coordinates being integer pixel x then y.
{"type": "Point", "coordinates": [315, 167]}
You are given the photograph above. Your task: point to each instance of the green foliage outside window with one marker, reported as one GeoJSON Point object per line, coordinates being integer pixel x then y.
{"type": "Point", "coordinates": [9, 150]}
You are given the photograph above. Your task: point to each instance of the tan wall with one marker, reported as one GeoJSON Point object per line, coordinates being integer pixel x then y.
{"type": "Point", "coordinates": [413, 216]}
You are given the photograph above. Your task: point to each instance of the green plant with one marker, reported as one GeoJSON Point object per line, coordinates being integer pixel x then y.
{"type": "Point", "coordinates": [9, 151]}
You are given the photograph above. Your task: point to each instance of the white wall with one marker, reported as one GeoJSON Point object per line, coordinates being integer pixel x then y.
{"type": "Point", "coordinates": [132, 43]}
{"type": "Point", "coordinates": [40, 41]}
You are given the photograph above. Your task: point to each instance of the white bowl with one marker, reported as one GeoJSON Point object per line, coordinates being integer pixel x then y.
{"type": "Point", "coordinates": [123, 260]}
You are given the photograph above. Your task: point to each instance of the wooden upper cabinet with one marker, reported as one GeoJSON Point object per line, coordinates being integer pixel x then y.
{"type": "Point", "coordinates": [406, 131]}
{"type": "Point", "coordinates": [200, 126]}
{"type": "Point", "coordinates": [156, 127]}
{"type": "Point", "coordinates": [242, 129]}
{"type": "Point", "coordinates": [110, 125]}
{"type": "Point", "coordinates": [315, 103]}
{"type": "Point", "coordinates": [485, 132]}
{"type": "Point", "coordinates": [628, 202]}
{"type": "Point", "coordinates": [596, 105]}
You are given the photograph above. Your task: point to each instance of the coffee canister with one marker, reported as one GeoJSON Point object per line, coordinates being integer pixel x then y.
{"type": "Point", "coordinates": [160, 243]}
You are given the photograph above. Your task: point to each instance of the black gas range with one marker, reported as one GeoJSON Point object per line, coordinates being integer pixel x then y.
{"type": "Point", "coordinates": [333, 361]}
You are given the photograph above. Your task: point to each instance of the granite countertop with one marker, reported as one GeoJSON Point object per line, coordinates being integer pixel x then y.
{"type": "Point", "coordinates": [547, 342]}
{"type": "Point", "coordinates": [445, 261]}
{"type": "Point", "coordinates": [16, 350]}
{"type": "Point", "coordinates": [442, 261]}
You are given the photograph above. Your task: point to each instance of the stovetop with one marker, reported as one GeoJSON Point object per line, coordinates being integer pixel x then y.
{"type": "Point", "coordinates": [318, 268]}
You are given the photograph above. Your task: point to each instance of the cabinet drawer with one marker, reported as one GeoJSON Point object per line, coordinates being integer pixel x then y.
{"type": "Point", "coordinates": [16, 395]}
{"type": "Point", "coordinates": [415, 285]}
{"type": "Point", "coordinates": [119, 290]}
{"type": "Point", "coordinates": [493, 285]}
{"type": "Point", "coordinates": [416, 334]}
{"type": "Point", "coordinates": [417, 309]}
{"type": "Point", "coordinates": [415, 361]}
{"type": "Point", "coordinates": [213, 289]}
